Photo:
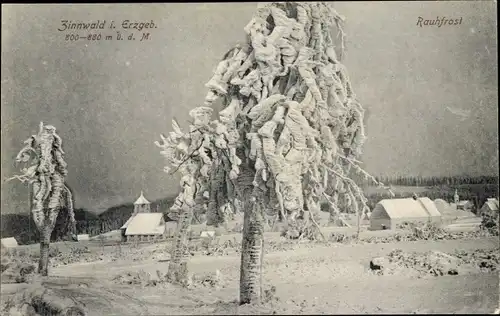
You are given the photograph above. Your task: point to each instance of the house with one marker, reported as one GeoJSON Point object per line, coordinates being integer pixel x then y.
{"type": "Point", "coordinates": [145, 226]}
{"type": "Point", "coordinates": [451, 215]}
{"type": "Point", "coordinates": [465, 205]}
{"type": "Point", "coordinates": [388, 213]}
{"type": "Point", "coordinates": [9, 242]}
{"type": "Point", "coordinates": [82, 237]}
{"type": "Point", "coordinates": [490, 206]}
{"type": "Point", "coordinates": [141, 206]}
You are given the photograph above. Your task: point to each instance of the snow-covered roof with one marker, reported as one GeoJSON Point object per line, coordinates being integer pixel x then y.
{"type": "Point", "coordinates": [145, 224]}
{"type": "Point", "coordinates": [83, 237]}
{"type": "Point", "coordinates": [492, 204]}
{"type": "Point", "coordinates": [141, 200]}
{"type": "Point", "coordinates": [408, 208]}
{"type": "Point", "coordinates": [127, 222]}
{"type": "Point", "coordinates": [9, 242]}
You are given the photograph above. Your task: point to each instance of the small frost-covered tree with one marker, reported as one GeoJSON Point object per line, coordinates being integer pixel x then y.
{"type": "Point", "coordinates": [208, 166]}
{"type": "Point", "coordinates": [288, 137]}
{"type": "Point", "coordinates": [44, 172]}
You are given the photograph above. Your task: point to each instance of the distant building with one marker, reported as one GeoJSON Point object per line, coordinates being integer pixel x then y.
{"type": "Point", "coordinates": [9, 242]}
{"type": "Point", "coordinates": [82, 237]}
{"type": "Point", "coordinates": [143, 224]}
{"type": "Point", "coordinates": [491, 205]}
{"type": "Point", "coordinates": [388, 213]}
{"type": "Point", "coordinates": [465, 205]}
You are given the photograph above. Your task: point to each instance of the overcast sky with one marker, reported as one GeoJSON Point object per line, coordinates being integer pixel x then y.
{"type": "Point", "coordinates": [110, 100]}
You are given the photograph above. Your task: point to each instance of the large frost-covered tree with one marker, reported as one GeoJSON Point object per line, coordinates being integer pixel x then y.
{"type": "Point", "coordinates": [288, 136]}
{"type": "Point", "coordinates": [44, 172]}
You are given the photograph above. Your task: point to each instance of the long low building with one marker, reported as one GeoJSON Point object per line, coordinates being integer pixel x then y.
{"type": "Point", "coordinates": [389, 213]}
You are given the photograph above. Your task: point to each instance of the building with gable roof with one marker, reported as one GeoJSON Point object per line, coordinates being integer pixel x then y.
{"type": "Point", "coordinates": [143, 224]}
{"type": "Point", "coordinates": [490, 206]}
{"type": "Point", "coordinates": [388, 213]}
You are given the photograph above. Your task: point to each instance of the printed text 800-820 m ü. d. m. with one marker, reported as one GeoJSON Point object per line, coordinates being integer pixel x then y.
{"type": "Point", "coordinates": [106, 37]}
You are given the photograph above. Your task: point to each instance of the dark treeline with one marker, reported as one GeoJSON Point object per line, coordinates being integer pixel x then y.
{"type": "Point", "coordinates": [22, 226]}
{"type": "Point", "coordinates": [435, 181]}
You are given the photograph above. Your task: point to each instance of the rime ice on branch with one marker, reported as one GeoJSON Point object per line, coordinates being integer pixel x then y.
{"type": "Point", "coordinates": [288, 101]}
{"type": "Point", "coordinates": [290, 120]}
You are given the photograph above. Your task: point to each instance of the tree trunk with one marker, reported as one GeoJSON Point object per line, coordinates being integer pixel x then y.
{"type": "Point", "coordinates": [43, 264]}
{"type": "Point", "coordinates": [252, 252]}
{"type": "Point", "coordinates": [177, 269]}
